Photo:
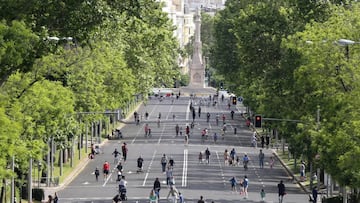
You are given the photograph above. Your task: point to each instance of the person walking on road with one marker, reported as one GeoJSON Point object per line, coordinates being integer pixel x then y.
{"type": "Point", "coordinates": [201, 200]}
{"type": "Point", "coordinates": [254, 139]}
{"type": "Point", "coordinates": [169, 175]}
{"type": "Point", "coordinates": [173, 194]}
{"type": "Point", "coordinates": [215, 138]}
{"type": "Point", "coordinates": [272, 162]}
{"type": "Point", "coordinates": [281, 191]}
{"type": "Point", "coordinates": [233, 183]}
{"type": "Point", "coordinates": [163, 163]}
{"type": "Point", "coordinates": [245, 186]}
{"type": "Point", "coordinates": [262, 195]}
{"type": "Point", "coordinates": [261, 158]}
{"type": "Point", "coordinates": [208, 117]}
{"type": "Point", "coordinates": [207, 155]}
{"type": "Point", "coordinates": [97, 173]}
{"type": "Point", "coordinates": [171, 163]}
{"type": "Point", "coordinates": [314, 194]}
{"type": "Point", "coordinates": [152, 197]}
{"type": "Point", "coordinates": [177, 129]}
{"type": "Point", "coordinates": [200, 158]}
{"type": "Point", "coordinates": [157, 187]}
{"type": "Point", "coordinates": [187, 130]}
{"type": "Point", "coordinates": [181, 198]}
{"type": "Point", "coordinates": [302, 171]}
{"type": "Point", "coordinates": [232, 115]}
{"type": "Point", "coordinates": [245, 161]}
{"type": "Point", "coordinates": [116, 154]}
{"type": "Point", "coordinates": [146, 129]}
{"type": "Point", "coordinates": [124, 150]}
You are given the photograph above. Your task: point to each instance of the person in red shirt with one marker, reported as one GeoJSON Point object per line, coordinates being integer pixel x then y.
{"type": "Point", "coordinates": [106, 169]}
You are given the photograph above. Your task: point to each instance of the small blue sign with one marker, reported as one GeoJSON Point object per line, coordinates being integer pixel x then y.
{"type": "Point", "coordinates": [240, 99]}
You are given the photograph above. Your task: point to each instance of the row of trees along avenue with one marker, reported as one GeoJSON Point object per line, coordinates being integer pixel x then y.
{"type": "Point", "coordinates": [58, 58]}
{"type": "Point", "coordinates": [286, 60]}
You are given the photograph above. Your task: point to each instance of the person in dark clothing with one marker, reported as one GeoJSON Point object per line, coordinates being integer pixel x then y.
{"type": "Point", "coordinates": [124, 150]}
{"type": "Point", "coordinates": [97, 173]}
{"type": "Point", "coordinates": [201, 200]}
{"type": "Point", "coordinates": [281, 191]}
{"type": "Point", "coordinates": [267, 141]}
{"type": "Point", "coordinates": [207, 155]}
{"type": "Point", "coordinates": [157, 187]}
{"type": "Point", "coordinates": [262, 138]}
{"type": "Point", "coordinates": [232, 115]}
{"type": "Point", "coordinates": [314, 194]}
{"type": "Point", "coordinates": [140, 161]}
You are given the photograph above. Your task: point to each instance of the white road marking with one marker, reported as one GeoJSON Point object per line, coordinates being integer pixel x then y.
{"type": "Point", "coordinates": [185, 168]}
{"type": "Point", "coordinates": [221, 168]}
{"type": "Point", "coordinates": [148, 169]}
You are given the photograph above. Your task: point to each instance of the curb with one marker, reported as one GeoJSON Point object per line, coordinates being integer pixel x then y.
{"type": "Point", "coordinates": [290, 173]}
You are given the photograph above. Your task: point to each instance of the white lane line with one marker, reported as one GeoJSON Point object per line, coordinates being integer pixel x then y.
{"type": "Point", "coordinates": [149, 167]}
{"type": "Point", "coordinates": [169, 112]}
{"type": "Point", "coordinates": [162, 133]}
{"type": "Point", "coordinates": [221, 168]}
{"type": "Point", "coordinates": [107, 180]}
{"type": "Point", "coordinates": [187, 111]}
{"type": "Point", "coordinates": [185, 168]}
{"type": "Point", "coordinates": [138, 133]}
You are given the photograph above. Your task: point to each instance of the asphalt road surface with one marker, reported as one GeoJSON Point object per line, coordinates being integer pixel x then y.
{"type": "Point", "coordinates": [192, 178]}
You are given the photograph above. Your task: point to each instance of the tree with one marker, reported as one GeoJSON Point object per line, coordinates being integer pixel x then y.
{"type": "Point", "coordinates": [17, 48]}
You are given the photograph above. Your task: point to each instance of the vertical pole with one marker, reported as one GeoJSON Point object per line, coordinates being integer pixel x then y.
{"type": "Point", "coordinates": [30, 181]}
{"type": "Point", "coordinates": [100, 129]}
{"type": "Point", "coordinates": [12, 198]}
{"type": "Point", "coordinates": [52, 160]}
{"type": "Point", "coordinates": [61, 160]}
{"type": "Point", "coordinates": [72, 152]}
{"type": "Point", "coordinates": [86, 137]}
{"type": "Point", "coordinates": [38, 174]}
{"type": "Point", "coordinates": [92, 132]}
{"type": "Point", "coordinates": [79, 146]}
{"type": "Point", "coordinates": [48, 164]}
{"type": "Point", "coordinates": [344, 194]}
{"type": "Point", "coordinates": [318, 127]}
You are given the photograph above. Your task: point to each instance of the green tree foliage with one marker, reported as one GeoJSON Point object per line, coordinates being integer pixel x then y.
{"type": "Point", "coordinates": [327, 77]}
{"type": "Point", "coordinates": [118, 49]}
{"type": "Point", "coordinates": [283, 58]}
{"type": "Point", "coordinates": [16, 50]}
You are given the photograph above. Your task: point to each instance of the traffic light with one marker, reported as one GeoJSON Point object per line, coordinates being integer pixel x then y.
{"type": "Point", "coordinates": [258, 120]}
{"type": "Point", "coordinates": [234, 100]}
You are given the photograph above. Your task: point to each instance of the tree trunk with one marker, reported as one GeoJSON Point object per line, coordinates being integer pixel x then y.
{"type": "Point", "coordinates": [2, 190]}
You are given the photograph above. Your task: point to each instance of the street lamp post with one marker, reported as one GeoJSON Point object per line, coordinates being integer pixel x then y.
{"type": "Point", "coordinates": [39, 168]}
